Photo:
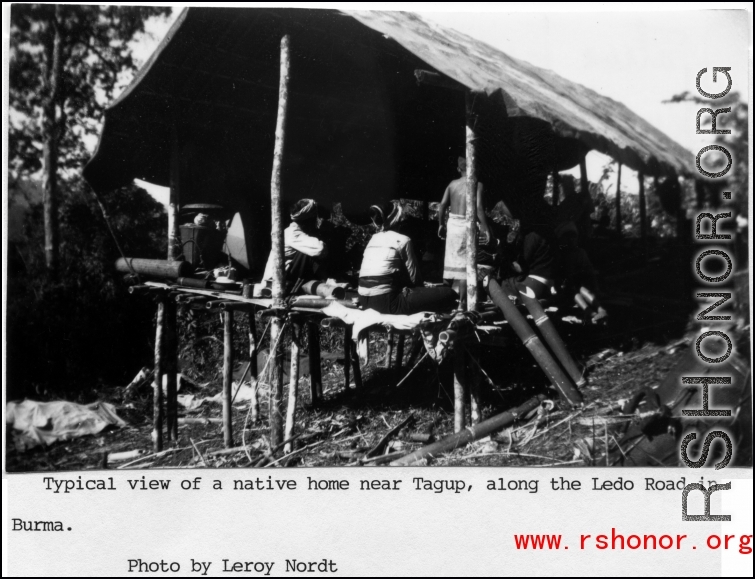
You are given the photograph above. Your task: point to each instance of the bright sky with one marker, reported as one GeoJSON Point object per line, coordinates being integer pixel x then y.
{"type": "Point", "coordinates": [638, 58]}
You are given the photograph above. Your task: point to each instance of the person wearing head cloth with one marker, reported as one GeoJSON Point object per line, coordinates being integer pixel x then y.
{"type": "Point", "coordinates": [454, 231]}
{"type": "Point", "coordinates": [302, 251]}
{"type": "Point", "coordinates": [389, 279]}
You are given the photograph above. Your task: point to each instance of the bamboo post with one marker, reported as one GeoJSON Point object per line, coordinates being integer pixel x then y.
{"type": "Point", "coordinates": [254, 404]}
{"type": "Point", "coordinates": [276, 390]}
{"type": "Point", "coordinates": [475, 402]}
{"type": "Point", "coordinates": [471, 215]}
{"type": "Point", "coordinates": [643, 216]}
{"type": "Point", "coordinates": [174, 201]}
{"type": "Point", "coordinates": [315, 369]}
{"type": "Point", "coordinates": [227, 378]}
{"type": "Point", "coordinates": [171, 368]}
{"type": "Point", "coordinates": [459, 407]}
{"type": "Point", "coordinates": [388, 348]}
{"type": "Point", "coordinates": [346, 355]}
{"type": "Point", "coordinates": [400, 351]}
{"type": "Point", "coordinates": [556, 190]}
{"type": "Point", "coordinates": [293, 386]}
{"type": "Point", "coordinates": [584, 185]}
{"type": "Point", "coordinates": [355, 366]}
{"type": "Point", "coordinates": [157, 412]}
{"type": "Point", "coordinates": [618, 201]}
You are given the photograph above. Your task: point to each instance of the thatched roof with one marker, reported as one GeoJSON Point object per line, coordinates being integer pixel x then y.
{"type": "Point", "coordinates": [572, 109]}
{"type": "Point", "coordinates": [216, 70]}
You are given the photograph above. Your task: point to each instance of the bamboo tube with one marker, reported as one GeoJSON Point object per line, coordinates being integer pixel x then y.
{"type": "Point", "coordinates": [388, 348]}
{"type": "Point", "coordinates": [323, 290]}
{"type": "Point", "coordinates": [618, 200]}
{"type": "Point", "coordinates": [584, 184]}
{"type": "Point", "coordinates": [293, 386]}
{"type": "Point", "coordinates": [400, 351]}
{"type": "Point", "coordinates": [315, 369]}
{"type": "Point", "coordinates": [347, 332]}
{"type": "Point", "coordinates": [471, 215]}
{"type": "Point", "coordinates": [153, 267]}
{"type": "Point", "coordinates": [534, 345]}
{"type": "Point", "coordinates": [195, 283]}
{"type": "Point", "coordinates": [276, 391]}
{"type": "Point", "coordinates": [174, 200]}
{"type": "Point", "coordinates": [459, 407]}
{"type": "Point", "coordinates": [554, 341]}
{"type": "Point", "coordinates": [319, 303]}
{"type": "Point", "coordinates": [227, 378]}
{"type": "Point", "coordinates": [171, 368]}
{"type": "Point", "coordinates": [157, 412]}
{"type": "Point", "coordinates": [470, 434]}
{"type": "Point", "coordinates": [254, 404]}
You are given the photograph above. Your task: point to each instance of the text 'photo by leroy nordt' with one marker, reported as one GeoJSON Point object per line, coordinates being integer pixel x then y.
{"type": "Point", "coordinates": [246, 237]}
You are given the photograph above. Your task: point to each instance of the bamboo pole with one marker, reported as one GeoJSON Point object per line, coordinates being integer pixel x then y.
{"type": "Point", "coordinates": [276, 390]}
{"type": "Point", "coordinates": [400, 351]}
{"type": "Point", "coordinates": [470, 434]}
{"type": "Point", "coordinates": [293, 386]}
{"type": "Point", "coordinates": [346, 355]}
{"type": "Point", "coordinates": [174, 201]}
{"type": "Point", "coordinates": [315, 369]}
{"type": "Point", "coordinates": [459, 406]}
{"type": "Point", "coordinates": [157, 412]}
{"type": "Point", "coordinates": [618, 201]}
{"type": "Point", "coordinates": [556, 190]}
{"type": "Point", "coordinates": [475, 401]}
{"type": "Point", "coordinates": [388, 348]}
{"type": "Point", "coordinates": [471, 215]}
{"type": "Point", "coordinates": [254, 409]}
{"type": "Point", "coordinates": [584, 184]}
{"type": "Point", "coordinates": [534, 345]}
{"type": "Point", "coordinates": [355, 366]}
{"type": "Point", "coordinates": [171, 369]}
{"type": "Point", "coordinates": [227, 378]}
{"type": "Point", "coordinates": [643, 216]}
{"type": "Point", "coordinates": [554, 341]}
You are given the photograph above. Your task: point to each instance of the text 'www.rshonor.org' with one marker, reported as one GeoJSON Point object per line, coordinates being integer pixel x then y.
{"type": "Point", "coordinates": [702, 259]}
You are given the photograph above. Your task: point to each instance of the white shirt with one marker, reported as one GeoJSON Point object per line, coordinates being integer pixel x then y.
{"type": "Point", "coordinates": [294, 239]}
{"type": "Point", "coordinates": [386, 255]}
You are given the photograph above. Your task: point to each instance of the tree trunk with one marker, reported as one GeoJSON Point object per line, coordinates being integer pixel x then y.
{"type": "Point", "coordinates": [52, 133]}
{"type": "Point", "coordinates": [471, 216]}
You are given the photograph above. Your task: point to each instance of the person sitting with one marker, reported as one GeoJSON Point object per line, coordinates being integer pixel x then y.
{"type": "Point", "coordinates": [389, 279]}
{"type": "Point", "coordinates": [526, 255]}
{"type": "Point", "coordinates": [303, 253]}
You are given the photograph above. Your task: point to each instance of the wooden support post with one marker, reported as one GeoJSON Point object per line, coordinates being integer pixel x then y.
{"type": "Point", "coordinates": [227, 378]}
{"type": "Point", "coordinates": [293, 386]}
{"type": "Point", "coordinates": [174, 201]}
{"type": "Point", "coordinates": [346, 355]}
{"type": "Point", "coordinates": [388, 348]}
{"type": "Point", "coordinates": [171, 369]}
{"type": "Point", "coordinates": [315, 369]}
{"type": "Point", "coordinates": [157, 383]}
{"type": "Point", "coordinates": [643, 216]}
{"type": "Point", "coordinates": [475, 401]}
{"type": "Point", "coordinates": [400, 351]}
{"type": "Point", "coordinates": [356, 368]}
{"type": "Point", "coordinates": [459, 406]}
{"type": "Point", "coordinates": [618, 201]}
{"type": "Point", "coordinates": [276, 390]}
{"type": "Point", "coordinates": [254, 404]}
{"type": "Point", "coordinates": [556, 189]}
{"type": "Point", "coordinates": [471, 215]}
{"type": "Point", "coordinates": [584, 184]}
